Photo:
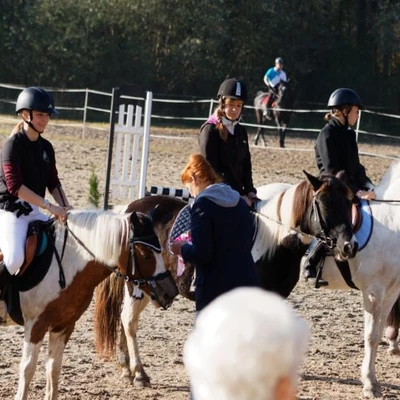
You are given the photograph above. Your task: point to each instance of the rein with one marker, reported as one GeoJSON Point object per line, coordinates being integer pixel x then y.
{"type": "Point", "coordinates": [132, 240]}
{"type": "Point", "coordinates": [385, 201]}
{"type": "Point", "coordinates": [324, 239]}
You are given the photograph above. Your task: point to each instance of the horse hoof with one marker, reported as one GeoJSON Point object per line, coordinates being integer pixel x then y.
{"type": "Point", "coordinates": [373, 392]}
{"type": "Point", "coordinates": [140, 382]}
{"type": "Point", "coordinates": [127, 378]}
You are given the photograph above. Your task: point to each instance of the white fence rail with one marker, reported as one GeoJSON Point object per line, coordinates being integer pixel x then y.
{"type": "Point", "coordinates": [87, 107]}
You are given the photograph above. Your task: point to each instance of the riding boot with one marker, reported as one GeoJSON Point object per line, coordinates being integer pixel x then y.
{"type": "Point", "coordinates": [315, 254]}
{"type": "Point", "coordinates": [5, 278]}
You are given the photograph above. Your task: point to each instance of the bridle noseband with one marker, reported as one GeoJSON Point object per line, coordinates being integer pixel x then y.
{"type": "Point", "coordinates": [323, 229]}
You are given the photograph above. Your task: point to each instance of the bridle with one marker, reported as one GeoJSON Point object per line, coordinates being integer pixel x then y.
{"type": "Point", "coordinates": [323, 236]}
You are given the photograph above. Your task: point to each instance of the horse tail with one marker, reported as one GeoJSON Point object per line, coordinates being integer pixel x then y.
{"type": "Point", "coordinates": [394, 315]}
{"type": "Point", "coordinates": [107, 315]}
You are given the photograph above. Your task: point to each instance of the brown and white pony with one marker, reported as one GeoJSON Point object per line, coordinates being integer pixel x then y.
{"type": "Point", "coordinates": [118, 306]}
{"type": "Point", "coordinates": [94, 245]}
{"type": "Point", "coordinates": [109, 302]}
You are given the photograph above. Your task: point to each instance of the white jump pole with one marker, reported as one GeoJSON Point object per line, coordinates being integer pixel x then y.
{"type": "Point", "coordinates": [145, 148]}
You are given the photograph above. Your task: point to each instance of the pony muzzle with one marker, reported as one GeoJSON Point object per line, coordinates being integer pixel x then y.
{"type": "Point", "coordinates": [347, 251]}
{"type": "Point", "coordinates": [163, 289]}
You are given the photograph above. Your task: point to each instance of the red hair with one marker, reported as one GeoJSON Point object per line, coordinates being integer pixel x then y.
{"type": "Point", "coordinates": [198, 167]}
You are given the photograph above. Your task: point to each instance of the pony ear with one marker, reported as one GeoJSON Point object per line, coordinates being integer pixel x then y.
{"type": "Point", "coordinates": [157, 215]}
{"type": "Point", "coordinates": [342, 176]}
{"type": "Point", "coordinates": [314, 181]}
{"type": "Point", "coordinates": [135, 221]}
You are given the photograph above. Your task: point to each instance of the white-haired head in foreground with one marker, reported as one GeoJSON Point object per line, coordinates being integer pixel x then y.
{"type": "Point", "coordinates": [247, 344]}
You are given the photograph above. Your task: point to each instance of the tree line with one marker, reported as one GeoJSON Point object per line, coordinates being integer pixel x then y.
{"type": "Point", "coordinates": [187, 47]}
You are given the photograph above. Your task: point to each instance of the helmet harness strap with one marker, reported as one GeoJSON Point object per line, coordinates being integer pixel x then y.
{"type": "Point", "coordinates": [30, 122]}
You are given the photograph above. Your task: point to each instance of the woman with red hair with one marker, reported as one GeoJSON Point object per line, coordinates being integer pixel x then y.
{"type": "Point", "coordinates": [221, 234]}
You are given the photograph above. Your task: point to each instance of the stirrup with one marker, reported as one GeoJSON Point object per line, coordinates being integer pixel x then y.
{"type": "Point", "coordinates": [319, 282]}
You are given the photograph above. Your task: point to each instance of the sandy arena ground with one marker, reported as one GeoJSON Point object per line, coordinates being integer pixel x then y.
{"type": "Point", "coordinates": [332, 367]}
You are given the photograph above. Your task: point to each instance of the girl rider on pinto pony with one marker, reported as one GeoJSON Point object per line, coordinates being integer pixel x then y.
{"type": "Point", "coordinates": [28, 167]}
{"type": "Point", "coordinates": [336, 150]}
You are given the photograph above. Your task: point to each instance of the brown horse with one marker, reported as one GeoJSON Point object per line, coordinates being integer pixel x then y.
{"type": "Point", "coordinates": [92, 245]}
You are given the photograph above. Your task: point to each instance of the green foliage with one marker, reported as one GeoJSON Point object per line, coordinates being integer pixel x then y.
{"type": "Point", "coordinates": [94, 194]}
{"type": "Point", "coordinates": [187, 47]}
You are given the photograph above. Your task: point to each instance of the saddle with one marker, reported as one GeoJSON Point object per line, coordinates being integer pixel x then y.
{"type": "Point", "coordinates": [264, 101]}
{"type": "Point", "coordinates": [362, 223]}
{"type": "Point", "coordinates": [36, 243]}
{"type": "Point", "coordinates": [39, 250]}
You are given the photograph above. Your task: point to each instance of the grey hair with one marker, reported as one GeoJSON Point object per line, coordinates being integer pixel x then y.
{"type": "Point", "coordinates": [243, 344]}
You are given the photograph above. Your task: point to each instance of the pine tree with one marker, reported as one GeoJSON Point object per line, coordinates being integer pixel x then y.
{"type": "Point", "coordinates": [94, 194]}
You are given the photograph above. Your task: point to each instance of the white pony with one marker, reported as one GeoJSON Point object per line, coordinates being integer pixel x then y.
{"type": "Point", "coordinates": [375, 270]}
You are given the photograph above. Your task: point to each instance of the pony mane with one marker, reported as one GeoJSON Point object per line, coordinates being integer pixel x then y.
{"type": "Point", "coordinates": [269, 228]}
{"type": "Point", "coordinates": [102, 232]}
{"type": "Point", "coordinates": [389, 186]}
{"type": "Point", "coordinates": [301, 201]}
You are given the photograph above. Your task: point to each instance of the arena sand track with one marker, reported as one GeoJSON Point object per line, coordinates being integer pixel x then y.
{"type": "Point", "coordinates": [332, 367]}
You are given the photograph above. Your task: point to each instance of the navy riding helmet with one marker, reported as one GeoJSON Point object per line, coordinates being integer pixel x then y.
{"type": "Point", "coordinates": [35, 98]}
{"type": "Point", "coordinates": [344, 96]}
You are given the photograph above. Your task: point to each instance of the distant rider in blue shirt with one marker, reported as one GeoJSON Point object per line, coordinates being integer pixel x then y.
{"type": "Point", "coordinates": [272, 78]}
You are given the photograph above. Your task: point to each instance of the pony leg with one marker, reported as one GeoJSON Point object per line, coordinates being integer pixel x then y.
{"type": "Point", "coordinates": [282, 133]}
{"type": "Point", "coordinates": [392, 330]}
{"type": "Point", "coordinates": [130, 321]}
{"type": "Point", "coordinates": [57, 343]}
{"type": "Point", "coordinates": [375, 315]}
{"type": "Point", "coordinates": [30, 353]}
{"type": "Point", "coordinates": [257, 136]}
{"type": "Point", "coordinates": [392, 333]}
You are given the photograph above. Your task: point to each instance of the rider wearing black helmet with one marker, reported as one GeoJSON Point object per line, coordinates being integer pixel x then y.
{"type": "Point", "coordinates": [336, 146]}
{"type": "Point", "coordinates": [28, 168]}
{"type": "Point", "coordinates": [35, 98]}
{"type": "Point", "coordinates": [336, 150]}
{"type": "Point", "coordinates": [224, 142]}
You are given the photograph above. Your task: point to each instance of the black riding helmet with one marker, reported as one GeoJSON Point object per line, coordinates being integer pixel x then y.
{"type": "Point", "coordinates": [35, 98]}
{"type": "Point", "coordinates": [344, 96]}
{"type": "Point", "coordinates": [232, 88]}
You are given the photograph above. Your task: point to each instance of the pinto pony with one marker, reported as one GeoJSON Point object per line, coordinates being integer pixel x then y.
{"type": "Point", "coordinates": [89, 248]}
{"type": "Point", "coordinates": [118, 306]}
{"type": "Point", "coordinates": [375, 270]}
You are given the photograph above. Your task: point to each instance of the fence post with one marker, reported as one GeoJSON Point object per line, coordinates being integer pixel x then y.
{"type": "Point", "coordinates": [114, 104]}
{"type": "Point", "coordinates": [85, 112]}
{"type": "Point", "coordinates": [145, 148]}
{"type": "Point", "coordinates": [358, 125]}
